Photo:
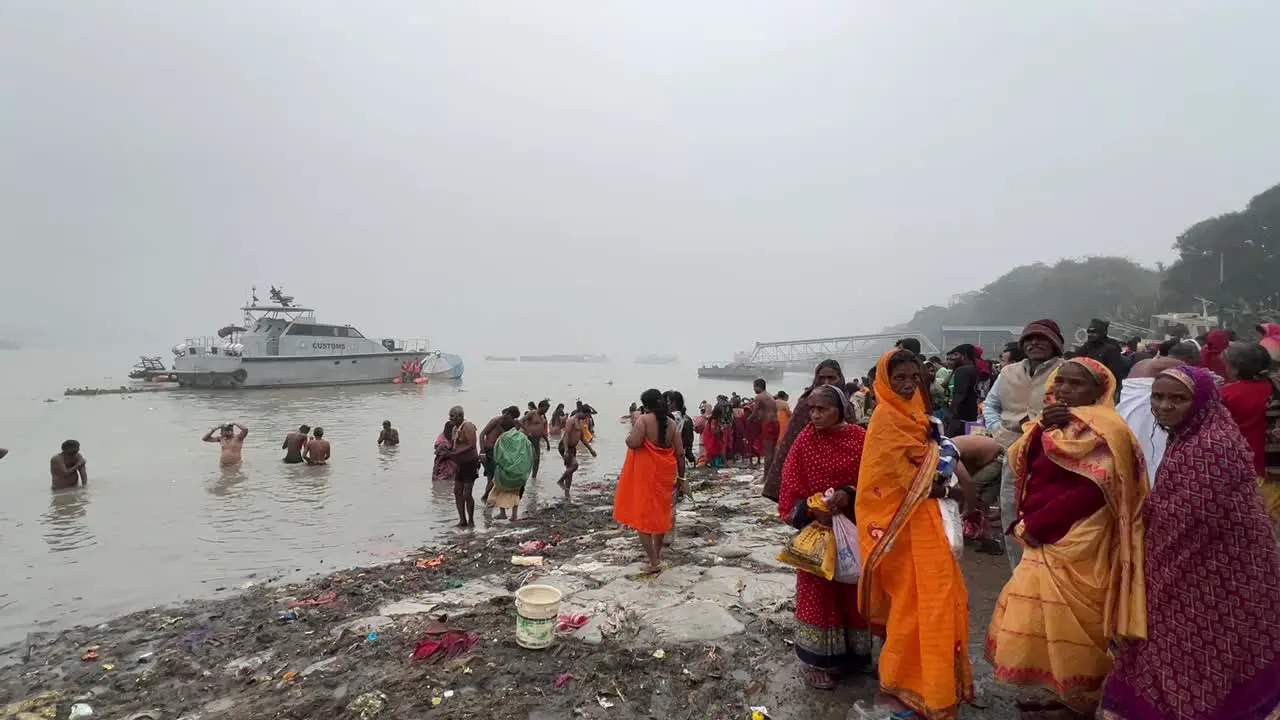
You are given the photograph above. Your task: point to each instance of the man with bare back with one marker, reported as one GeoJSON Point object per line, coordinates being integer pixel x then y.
{"type": "Point", "coordinates": [765, 412]}
{"type": "Point", "coordinates": [488, 438]}
{"type": "Point", "coordinates": [68, 467]}
{"type": "Point", "coordinates": [318, 449]}
{"type": "Point", "coordinates": [466, 455]}
{"type": "Point", "coordinates": [230, 442]}
{"type": "Point", "coordinates": [569, 447]}
{"type": "Point", "coordinates": [293, 444]}
{"type": "Point", "coordinates": [534, 425]}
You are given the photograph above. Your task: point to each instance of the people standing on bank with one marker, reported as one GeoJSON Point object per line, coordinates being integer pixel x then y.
{"type": "Point", "coordinates": [466, 455]}
{"type": "Point", "coordinates": [831, 635]}
{"type": "Point", "coordinates": [765, 410]}
{"type": "Point", "coordinates": [827, 372]}
{"type": "Point", "coordinates": [1080, 586]}
{"type": "Point", "coordinates": [230, 442]}
{"type": "Point", "coordinates": [911, 582]}
{"type": "Point", "coordinates": [294, 443]}
{"type": "Point", "coordinates": [962, 389]}
{"type": "Point", "coordinates": [68, 468]}
{"type": "Point", "coordinates": [1017, 398]}
{"type": "Point", "coordinates": [513, 459]}
{"type": "Point", "coordinates": [1212, 574]}
{"type": "Point", "coordinates": [654, 464]}
{"type": "Point", "coordinates": [488, 436]}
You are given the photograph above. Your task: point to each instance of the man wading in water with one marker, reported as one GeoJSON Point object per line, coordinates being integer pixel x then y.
{"type": "Point", "coordinates": [68, 467]}
{"type": "Point", "coordinates": [317, 448]}
{"type": "Point", "coordinates": [389, 436]}
{"type": "Point", "coordinates": [492, 431]}
{"type": "Point", "coordinates": [293, 444]}
{"type": "Point", "coordinates": [230, 442]}
{"type": "Point", "coordinates": [569, 447]}
{"type": "Point", "coordinates": [466, 456]}
{"type": "Point", "coordinates": [534, 424]}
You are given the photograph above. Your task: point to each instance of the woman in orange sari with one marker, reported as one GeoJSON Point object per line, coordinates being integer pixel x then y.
{"type": "Point", "coordinates": [911, 587]}
{"type": "Point", "coordinates": [1081, 482]}
{"type": "Point", "coordinates": [655, 462]}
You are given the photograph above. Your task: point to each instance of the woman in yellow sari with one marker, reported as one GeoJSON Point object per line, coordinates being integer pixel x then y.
{"type": "Point", "coordinates": [1081, 482]}
{"type": "Point", "coordinates": [911, 588]}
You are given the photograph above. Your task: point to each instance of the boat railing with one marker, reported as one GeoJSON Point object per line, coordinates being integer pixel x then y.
{"type": "Point", "coordinates": [414, 345]}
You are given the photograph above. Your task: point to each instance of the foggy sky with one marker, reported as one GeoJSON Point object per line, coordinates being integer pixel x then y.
{"type": "Point", "coordinates": [698, 175]}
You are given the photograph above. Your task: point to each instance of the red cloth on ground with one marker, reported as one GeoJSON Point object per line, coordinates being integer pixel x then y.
{"type": "Point", "coordinates": [1247, 402]}
{"type": "Point", "coordinates": [1055, 498]}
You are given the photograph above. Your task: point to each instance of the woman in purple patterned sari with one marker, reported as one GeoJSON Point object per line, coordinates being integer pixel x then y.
{"type": "Point", "coordinates": [1213, 575]}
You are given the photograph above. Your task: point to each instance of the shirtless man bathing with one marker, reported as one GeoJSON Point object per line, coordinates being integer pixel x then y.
{"type": "Point", "coordinates": [766, 413]}
{"type": "Point", "coordinates": [467, 456]}
{"type": "Point", "coordinates": [569, 447]}
{"type": "Point", "coordinates": [68, 467]}
{"type": "Point", "coordinates": [293, 444]}
{"type": "Point", "coordinates": [230, 442]}
{"type": "Point", "coordinates": [534, 425]}
{"type": "Point", "coordinates": [317, 448]}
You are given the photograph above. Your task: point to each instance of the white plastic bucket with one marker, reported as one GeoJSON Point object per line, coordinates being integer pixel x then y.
{"type": "Point", "coordinates": [537, 610]}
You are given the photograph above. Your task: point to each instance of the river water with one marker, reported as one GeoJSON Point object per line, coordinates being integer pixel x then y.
{"type": "Point", "coordinates": [160, 521]}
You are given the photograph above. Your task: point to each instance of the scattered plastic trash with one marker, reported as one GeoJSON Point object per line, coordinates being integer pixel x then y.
{"type": "Point", "coordinates": [289, 676]}
{"type": "Point", "coordinates": [371, 637]}
{"type": "Point", "coordinates": [759, 712]}
{"type": "Point", "coordinates": [448, 694]}
{"type": "Point", "coordinates": [321, 599]}
{"type": "Point", "coordinates": [454, 583]}
{"type": "Point", "coordinates": [430, 562]}
{"type": "Point", "coordinates": [603, 703]}
{"type": "Point", "coordinates": [569, 623]}
{"type": "Point", "coordinates": [436, 700]}
{"type": "Point", "coordinates": [555, 538]}
{"type": "Point", "coordinates": [450, 645]}
{"type": "Point", "coordinates": [80, 710]}
{"type": "Point", "coordinates": [526, 560]}
{"type": "Point", "coordinates": [562, 680]}
{"type": "Point", "coordinates": [659, 653]}
{"type": "Point", "coordinates": [146, 657]}
{"type": "Point", "coordinates": [286, 616]}
{"type": "Point", "coordinates": [532, 546]}
{"type": "Point", "coordinates": [90, 655]}
{"type": "Point", "coordinates": [369, 704]}
{"type": "Point", "coordinates": [108, 666]}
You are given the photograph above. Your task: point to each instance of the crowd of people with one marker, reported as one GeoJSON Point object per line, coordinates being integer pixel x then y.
{"type": "Point", "coordinates": [1141, 536]}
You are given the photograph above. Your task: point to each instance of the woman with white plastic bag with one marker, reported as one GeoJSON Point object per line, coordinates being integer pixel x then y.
{"type": "Point", "coordinates": [831, 637]}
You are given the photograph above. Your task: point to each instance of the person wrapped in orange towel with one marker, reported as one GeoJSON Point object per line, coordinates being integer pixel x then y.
{"type": "Point", "coordinates": [911, 587]}
{"type": "Point", "coordinates": [655, 460]}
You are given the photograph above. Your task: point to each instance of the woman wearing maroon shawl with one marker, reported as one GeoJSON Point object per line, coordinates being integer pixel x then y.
{"type": "Point", "coordinates": [1213, 576]}
{"type": "Point", "coordinates": [828, 372]}
{"type": "Point", "coordinates": [831, 636]}
{"type": "Point", "coordinates": [1215, 344]}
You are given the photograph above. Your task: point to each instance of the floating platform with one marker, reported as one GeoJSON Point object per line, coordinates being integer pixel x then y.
{"type": "Point", "coordinates": [122, 390]}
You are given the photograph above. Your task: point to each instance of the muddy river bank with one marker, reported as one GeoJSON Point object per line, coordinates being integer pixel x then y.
{"type": "Point", "coordinates": [433, 634]}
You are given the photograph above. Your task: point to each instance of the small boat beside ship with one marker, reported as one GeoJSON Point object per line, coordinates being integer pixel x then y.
{"type": "Point", "coordinates": [149, 368]}
{"type": "Point", "coordinates": [281, 344]}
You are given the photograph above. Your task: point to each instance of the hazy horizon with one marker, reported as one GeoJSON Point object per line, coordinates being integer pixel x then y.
{"type": "Point", "coordinates": [602, 177]}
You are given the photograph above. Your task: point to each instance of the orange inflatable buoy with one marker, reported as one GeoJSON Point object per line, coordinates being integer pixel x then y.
{"type": "Point", "coordinates": [419, 380]}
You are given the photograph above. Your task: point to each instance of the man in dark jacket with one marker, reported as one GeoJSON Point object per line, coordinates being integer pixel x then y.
{"type": "Point", "coordinates": [1105, 350]}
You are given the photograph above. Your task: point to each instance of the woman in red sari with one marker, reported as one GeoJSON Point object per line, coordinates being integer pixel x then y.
{"type": "Point", "coordinates": [831, 636]}
{"type": "Point", "coordinates": [1213, 576]}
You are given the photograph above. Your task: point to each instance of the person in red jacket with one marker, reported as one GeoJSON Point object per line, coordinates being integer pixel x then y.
{"type": "Point", "coordinates": [1246, 394]}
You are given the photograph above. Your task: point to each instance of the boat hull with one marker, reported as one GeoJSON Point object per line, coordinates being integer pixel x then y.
{"type": "Point", "coordinates": [740, 372]}
{"type": "Point", "coordinates": [233, 373]}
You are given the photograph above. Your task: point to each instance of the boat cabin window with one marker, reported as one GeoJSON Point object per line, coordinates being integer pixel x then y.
{"type": "Point", "coordinates": [317, 330]}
